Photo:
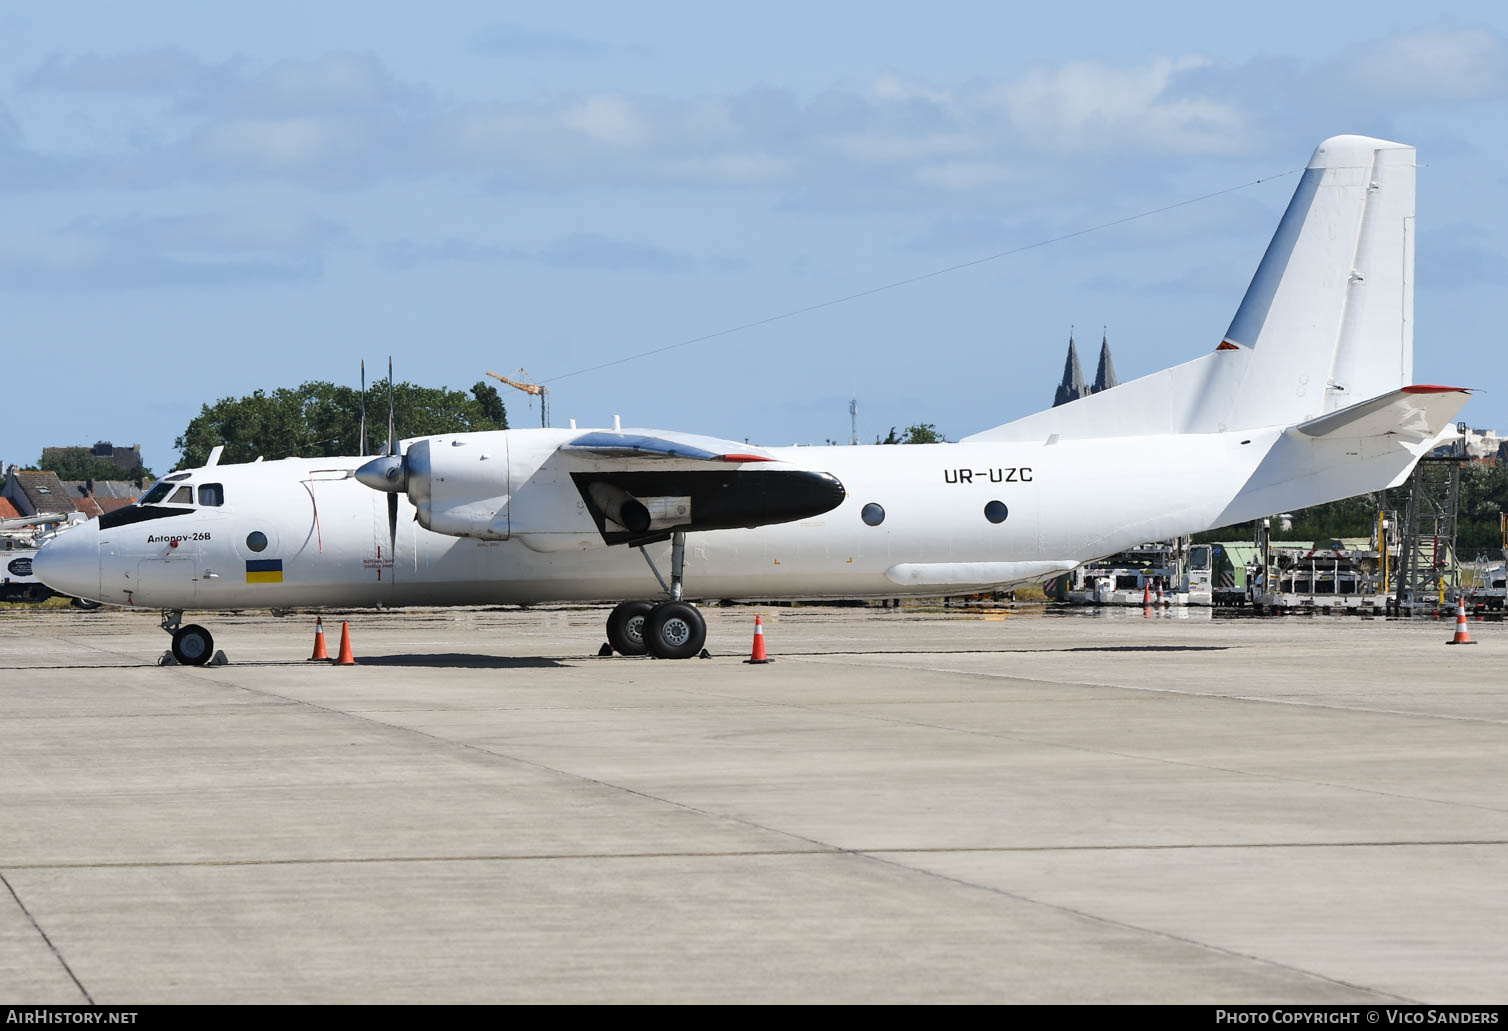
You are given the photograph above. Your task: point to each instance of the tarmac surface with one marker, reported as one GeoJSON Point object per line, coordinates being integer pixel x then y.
{"type": "Point", "coordinates": [1006, 807]}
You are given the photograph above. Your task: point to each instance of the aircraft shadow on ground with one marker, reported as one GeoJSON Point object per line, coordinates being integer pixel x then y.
{"type": "Point", "coordinates": [456, 660]}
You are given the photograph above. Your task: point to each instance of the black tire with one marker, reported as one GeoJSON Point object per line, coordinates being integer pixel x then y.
{"type": "Point", "coordinates": [193, 645]}
{"type": "Point", "coordinates": [85, 604]}
{"type": "Point", "coordinates": [625, 627]}
{"type": "Point", "coordinates": [675, 630]}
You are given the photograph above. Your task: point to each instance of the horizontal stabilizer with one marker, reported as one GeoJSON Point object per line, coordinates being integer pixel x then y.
{"type": "Point", "coordinates": [1416, 414]}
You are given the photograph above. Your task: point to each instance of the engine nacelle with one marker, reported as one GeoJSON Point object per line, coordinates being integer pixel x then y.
{"type": "Point", "coordinates": [460, 487]}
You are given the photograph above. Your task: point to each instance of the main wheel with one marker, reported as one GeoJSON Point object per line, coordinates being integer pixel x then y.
{"type": "Point", "coordinates": [84, 603]}
{"type": "Point", "coordinates": [675, 630]}
{"type": "Point", "coordinates": [193, 645]}
{"type": "Point", "coordinates": [625, 627]}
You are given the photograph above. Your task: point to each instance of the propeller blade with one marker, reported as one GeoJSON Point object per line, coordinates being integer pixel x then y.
{"type": "Point", "coordinates": [392, 531]}
{"type": "Point", "coordinates": [392, 443]}
{"type": "Point", "coordinates": [362, 447]}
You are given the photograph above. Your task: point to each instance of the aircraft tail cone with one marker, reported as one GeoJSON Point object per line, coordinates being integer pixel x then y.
{"type": "Point", "coordinates": [345, 658]}
{"type": "Point", "coordinates": [1463, 636]}
{"type": "Point", "coordinates": [758, 656]}
{"type": "Point", "coordinates": [319, 641]}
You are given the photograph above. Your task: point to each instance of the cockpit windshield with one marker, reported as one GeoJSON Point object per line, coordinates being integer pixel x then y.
{"type": "Point", "coordinates": [156, 494]}
{"type": "Point", "coordinates": [165, 493]}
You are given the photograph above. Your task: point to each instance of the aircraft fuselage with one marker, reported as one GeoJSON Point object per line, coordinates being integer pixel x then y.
{"type": "Point", "coordinates": [324, 537]}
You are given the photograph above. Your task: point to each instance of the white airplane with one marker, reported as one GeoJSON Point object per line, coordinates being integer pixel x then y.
{"type": "Point", "coordinates": [1307, 398]}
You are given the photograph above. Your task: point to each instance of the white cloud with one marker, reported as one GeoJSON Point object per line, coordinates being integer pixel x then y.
{"type": "Point", "coordinates": [344, 120]}
{"type": "Point", "coordinates": [608, 119]}
{"type": "Point", "coordinates": [1441, 63]}
{"type": "Point", "coordinates": [141, 252]}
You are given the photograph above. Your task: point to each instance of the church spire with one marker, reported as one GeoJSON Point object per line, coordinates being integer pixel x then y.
{"type": "Point", "coordinates": [1105, 377]}
{"type": "Point", "coordinates": [1073, 386]}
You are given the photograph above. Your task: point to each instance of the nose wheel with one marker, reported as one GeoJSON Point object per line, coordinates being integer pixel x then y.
{"type": "Point", "coordinates": [192, 645]}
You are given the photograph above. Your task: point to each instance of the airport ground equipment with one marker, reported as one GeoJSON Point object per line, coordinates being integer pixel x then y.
{"type": "Point", "coordinates": [1429, 570]}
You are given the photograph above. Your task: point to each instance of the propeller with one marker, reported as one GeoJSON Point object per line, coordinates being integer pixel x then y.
{"type": "Point", "coordinates": [362, 446]}
{"type": "Point", "coordinates": [392, 452]}
{"type": "Point", "coordinates": [388, 472]}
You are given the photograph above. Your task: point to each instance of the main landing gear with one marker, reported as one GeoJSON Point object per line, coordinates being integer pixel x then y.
{"type": "Point", "coordinates": [192, 644]}
{"type": "Point", "coordinates": [671, 629]}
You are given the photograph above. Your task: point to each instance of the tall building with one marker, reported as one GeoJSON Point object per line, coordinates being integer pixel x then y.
{"type": "Point", "coordinates": [1104, 376]}
{"type": "Point", "coordinates": [1073, 386]}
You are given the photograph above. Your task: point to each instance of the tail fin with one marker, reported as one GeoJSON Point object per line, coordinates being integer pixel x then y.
{"type": "Point", "coordinates": [1327, 321]}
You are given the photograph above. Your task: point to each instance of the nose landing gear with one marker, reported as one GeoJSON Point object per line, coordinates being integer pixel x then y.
{"type": "Point", "coordinates": [192, 645]}
{"type": "Point", "coordinates": [671, 629]}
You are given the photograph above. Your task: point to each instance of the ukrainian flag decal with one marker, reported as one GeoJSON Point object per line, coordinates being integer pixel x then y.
{"type": "Point", "coordinates": [264, 571]}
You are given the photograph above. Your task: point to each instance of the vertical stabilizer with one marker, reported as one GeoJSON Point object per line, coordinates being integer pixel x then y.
{"type": "Point", "coordinates": [1329, 313]}
{"type": "Point", "coordinates": [1327, 322]}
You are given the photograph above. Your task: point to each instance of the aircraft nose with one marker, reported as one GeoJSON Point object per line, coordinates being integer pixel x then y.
{"type": "Point", "coordinates": [69, 563]}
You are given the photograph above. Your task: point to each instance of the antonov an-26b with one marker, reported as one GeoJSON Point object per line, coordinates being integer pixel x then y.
{"type": "Point", "coordinates": [1307, 398]}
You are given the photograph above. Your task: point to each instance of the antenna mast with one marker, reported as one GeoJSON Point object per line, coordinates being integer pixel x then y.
{"type": "Point", "coordinates": [853, 421]}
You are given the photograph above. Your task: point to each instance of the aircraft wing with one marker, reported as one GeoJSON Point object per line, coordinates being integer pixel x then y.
{"type": "Point", "coordinates": [639, 485]}
{"type": "Point", "coordinates": [661, 445]}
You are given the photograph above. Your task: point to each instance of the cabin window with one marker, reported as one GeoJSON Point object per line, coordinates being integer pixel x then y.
{"type": "Point", "coordinates": [183, 496]}
{"type": "Point", "coordinates": [872, 514]}
{"type": "Point", "coordinates": [996, 511]}
{"type": "Point", "coordinates": [212, 495]}
{"type": "Point", "coordinates": [157, 493]}
{"type": "Point", "coordinates": [256, 540]}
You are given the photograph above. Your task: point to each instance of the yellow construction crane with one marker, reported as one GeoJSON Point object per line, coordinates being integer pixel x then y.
{"type": "Point", "coordinates": [537, 389]}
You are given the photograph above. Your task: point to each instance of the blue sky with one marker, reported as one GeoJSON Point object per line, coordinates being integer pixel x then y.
{"type": "Point", "coordinates": [201, 201]}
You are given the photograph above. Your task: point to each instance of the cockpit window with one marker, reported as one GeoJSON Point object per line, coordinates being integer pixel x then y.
{"type": "Point", "coordinates": [212, 495]}
{"type": "Point", "coordinates": [156, 494]}
{"type": "Point", "coordinates": [183, 496]}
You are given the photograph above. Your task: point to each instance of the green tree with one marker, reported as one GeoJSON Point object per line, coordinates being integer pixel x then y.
{"type": "Point", "coordinates": [492, 403]}
{"type": "Point", "coordinates": [921, 433]}
{"type": "Point", "coordinates": [1484, 494]}
{"type": "Point", "coordinates": [79, 464]}
{"type": "Point", "coordinates": [321, 419]}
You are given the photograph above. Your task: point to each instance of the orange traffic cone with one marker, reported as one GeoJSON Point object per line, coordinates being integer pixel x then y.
{"type": "Point", "coordinates": [345, 658]}
{"type": "Point", "coordinates": [1160, 599]}
{"type": "Point", "coordinates": [1146, 592]}
{"type": "Point", "coordinates": [319, 641]}
{"type": "Point", "coordinates": [758, 657]}
{"type": "Point", "coordinates": [1463, 636]}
